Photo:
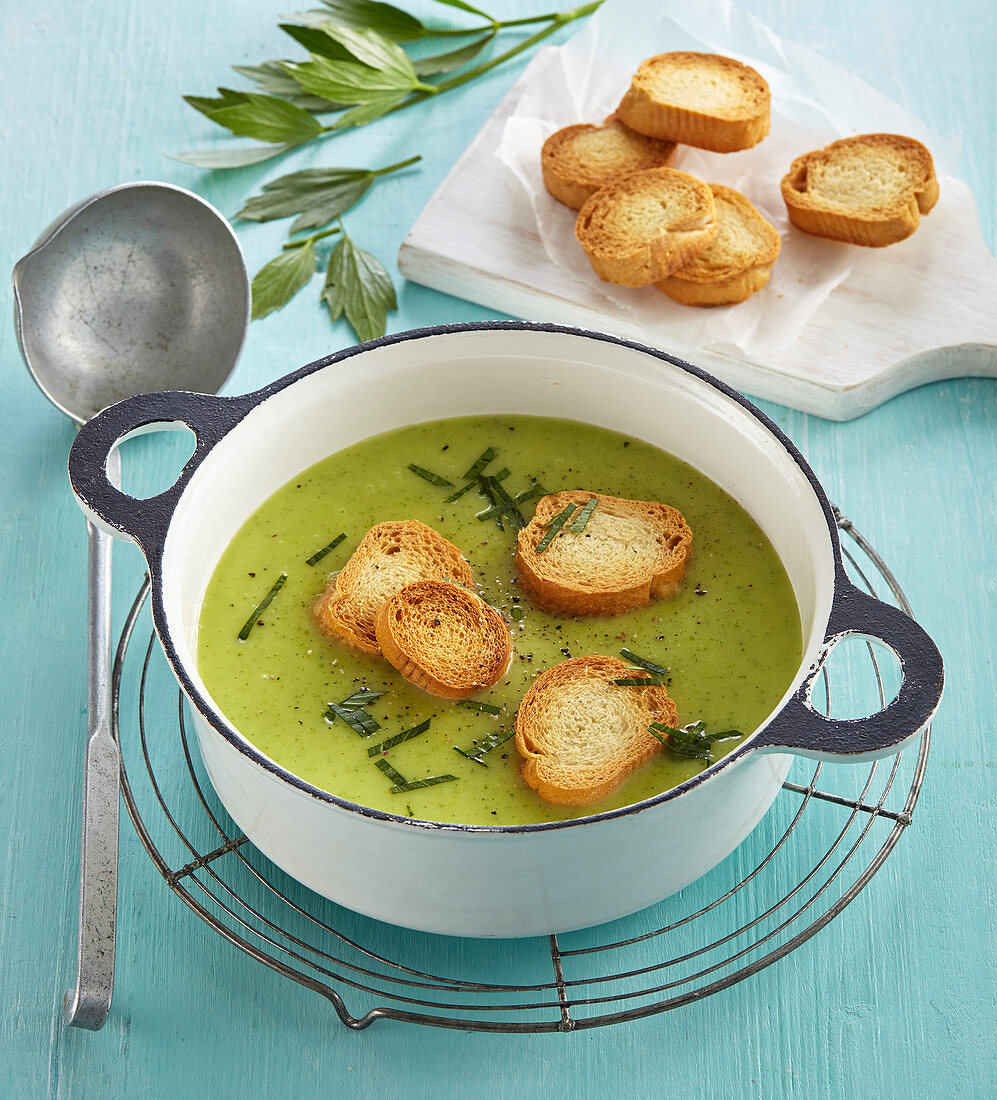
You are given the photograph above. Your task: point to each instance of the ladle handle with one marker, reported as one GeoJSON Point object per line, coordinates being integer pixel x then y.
{"type": "Point", "coordinates": [800, 729]}
{"type": "Point", "coordinates": [146, 520]}
{"type": "Point", "coordinates": [88, 1004]}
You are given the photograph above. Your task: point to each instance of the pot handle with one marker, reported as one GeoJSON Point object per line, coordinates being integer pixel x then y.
{"type": "Point", "coordinates": [800, 729]}
{"type": "Point", "coordinates": [145, 521]}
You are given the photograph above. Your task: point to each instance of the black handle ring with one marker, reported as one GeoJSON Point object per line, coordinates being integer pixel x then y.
{"type": "Point", "coordinates": [800, 729]}
{"type": "Point", "coordinates": [146, 520]}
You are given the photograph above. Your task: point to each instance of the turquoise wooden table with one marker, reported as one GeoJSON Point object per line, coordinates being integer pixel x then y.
{"type": "Point", "coordinates": [893, 998]}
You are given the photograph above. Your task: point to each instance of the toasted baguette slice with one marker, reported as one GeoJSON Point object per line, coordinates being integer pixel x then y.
{"type": "Point", "coordinates": [390, 556]}
{"type": "Point", "coordinates": [580, 735]}
{"type": "Point", "coordinates": [642, 227]}
{"type": "Point", "coordinates": [700, 99]}
{"type": "Point", "coordinates": [443, 638]}
{"type": "Point", "coordinates": [578, 160]}
{"type": "Point", "coordinates": [735, 264]}
{"type": "Point", "coordinates": [869, 190]}
{"type": "Point", "coordinates": [629, 552]}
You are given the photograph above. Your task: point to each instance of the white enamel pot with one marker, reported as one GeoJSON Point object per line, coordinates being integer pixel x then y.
{"type": "Point", "coordinates": [477, 880]}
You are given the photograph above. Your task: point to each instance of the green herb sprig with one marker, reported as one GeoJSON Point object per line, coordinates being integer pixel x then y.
{"type": "Point", "coordinates": [554, 526]}
{"type": "Point", "coordinates": [248, 625]}
{"type": "Point", "coordinates": [642, 662]}
{"type": "Point", "coordinates": [352, 712]}
{"type": "Point", "coordinates": [486, 708]}
{"type": "Point", "coordinates": [356, 71]}
{"type": "Point", "coordinates": [327, 549]}
{"type": "Point", "coordinates": [504, 506]}
{"type": "Point", "coordinates": [581, 520]}
{"type": "Point", "coordinates": [485, 745]}
{"type": "Point", "coordinates": [401, 785]}
{"type": "Point", "coordinates": [399, 738]}
{"type": "Point", "coordinates": [691, 741]}
{"type": "Point", "coordinates": [428, 475]}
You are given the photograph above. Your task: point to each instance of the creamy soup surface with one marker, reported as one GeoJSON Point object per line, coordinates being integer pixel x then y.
{"type": "Point", "coordinates": [731, 638]}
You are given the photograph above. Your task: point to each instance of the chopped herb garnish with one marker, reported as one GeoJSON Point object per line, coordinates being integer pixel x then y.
{"type": "Point", "coordinates": [583, 516]}
{"type": "Point", "coordinates": [415, 784]}
{"type": "Point", "coordinates": [486, 744]}
{"type": "Point", "coordinates": [278, 584]}
{"type": "Point", "coordinates": [488, 708]}
{"type": "Point", "coordinates": [643, 662]}
{"type": "Point", "coordinates": [320, 554]}
{"type": "Point", "coordinates": [692, 740]}
{"type": "Point", "coordinates": [461, 491]}
{"type": "Point", "coordinates": [517, 614]}
{"type": "Point", "coordinates": [428, 475]}
{"type": "Point", "coordinates": [389, 771]}
{"type": "Point", "coordinates": [502, 503]}
{"type": "Point", "coordinates": [528, 494]}
{"type": "Point", "coordinates": [362, 698]}
{"type": "Point", "coordinates": [554, 526]}
{"type": "Point", "coordinates": [352, 713]}
{"type": "Point", "coordinates": [480, 463]}
{"type": "Point", "coordinates": [640, 681]}
{"type": "Point", "coordinates": [405, 735]}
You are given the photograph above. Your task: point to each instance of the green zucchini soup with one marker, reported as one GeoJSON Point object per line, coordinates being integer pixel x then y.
{"type": "Point", "coordinates": [730, 640]}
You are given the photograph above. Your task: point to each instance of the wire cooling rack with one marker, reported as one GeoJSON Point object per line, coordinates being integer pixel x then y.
{"type": "Point", "coordinates": [827, 834]}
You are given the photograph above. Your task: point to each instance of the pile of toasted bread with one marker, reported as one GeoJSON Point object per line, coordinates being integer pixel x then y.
{"type": "Point", "coordinates": [643, 223]}
{"type": "Point", "coordinates": [405, 595]}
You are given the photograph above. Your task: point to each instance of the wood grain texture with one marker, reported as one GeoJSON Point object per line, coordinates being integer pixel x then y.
{"type": "Point", "coordinates": [893, 999]}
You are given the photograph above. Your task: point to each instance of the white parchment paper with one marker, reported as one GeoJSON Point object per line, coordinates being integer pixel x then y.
{"type": "Point", "coordinates": [813, 102]}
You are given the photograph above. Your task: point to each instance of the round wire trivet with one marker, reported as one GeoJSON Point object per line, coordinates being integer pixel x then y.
{"type": "Point", "coordinates": [815, 850]}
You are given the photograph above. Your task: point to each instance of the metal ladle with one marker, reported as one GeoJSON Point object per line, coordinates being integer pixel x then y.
{"type": "Point", "coordinates": [139, 287]}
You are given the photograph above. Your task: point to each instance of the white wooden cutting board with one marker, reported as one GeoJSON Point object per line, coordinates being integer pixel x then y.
{"type": "Point", "coordinates": [888, 327]}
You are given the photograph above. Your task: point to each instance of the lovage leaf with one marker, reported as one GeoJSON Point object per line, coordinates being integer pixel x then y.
{"type": "Point", "coordinates": [226, 97]}
{"type": "Point", "coordinates": [317, 40]}
{"type": "Point", "coordinates": [466, 7]}
{"type": "Point", "coordinates": [366, 112]}
{"type": "Point", "coordinates": [386, 19]}
{"type": "Point", "coordinates": [272, 79]}
{"type": "Point", "coordinates": [317, 195]}
{"type": "Point", "coordinates": [453, 59]}
{"type": "Point", "coordinates": [277, 282]}
{"type": "Point", "coordinates": [267, 118]}
{"type": "Point", "coordinates": [372, 49]}
{"type": "Point", "coordinates": [357, 285]}
{"type": "Point", "coordinates": [234, 158]}
{"type": "Point", "coordinates": [348, 81]}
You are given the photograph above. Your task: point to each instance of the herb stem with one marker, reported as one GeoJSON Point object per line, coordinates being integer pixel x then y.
{"type": "Point", "coordinates": [556, 21]}
{"type": "Point", "coordinates": [396, 167]}
{"type": "Point", "coordinates": [312, 239]}
{"type": "Point", "coordinates": [526, 21]}
{"type": "Point", "coordinates": [520, 47]}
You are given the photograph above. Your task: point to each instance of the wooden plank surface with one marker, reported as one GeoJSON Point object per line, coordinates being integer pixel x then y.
{"type": "Point", "coordinates": [903, 317]}
{"type": "Point", "coordinates": [893, 999]}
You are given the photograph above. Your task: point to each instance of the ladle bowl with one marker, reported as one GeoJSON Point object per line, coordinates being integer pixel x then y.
{"type": "Point", "coordinates": [139, 287]}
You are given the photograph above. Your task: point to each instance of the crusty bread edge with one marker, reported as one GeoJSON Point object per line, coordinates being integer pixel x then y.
{"type": "Point", "coordinates": [869, 230]}
{"type": "Point", "coordinates": [641, 111]}
{"type": "Point", "coordinates": [563, 599]}
{"type": "Point", "coordinates": [720, 292]}
{"type": "Point", "coordinates": [687, 127]}
{"type": "Point", "coordinates": [692, 287]}
{"type": "Point", "coordinates": [418, 674]}
{"type": "Point", "coordinates": [532, 769]}
{"type": "Point", "coordinates": [570, 191]}
{"type": "Point", "coordinates": [647, 261]}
